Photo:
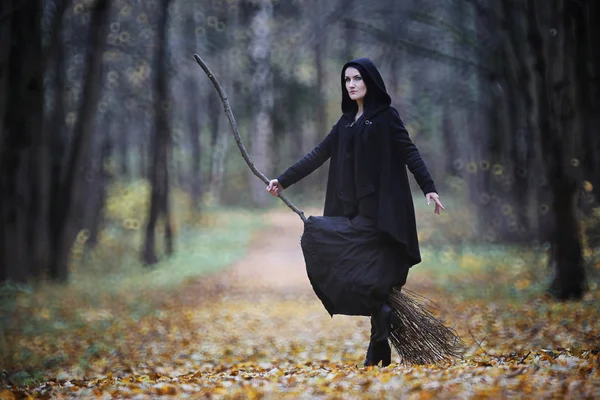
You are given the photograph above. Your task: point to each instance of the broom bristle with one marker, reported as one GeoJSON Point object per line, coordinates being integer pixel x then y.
{"type": "Point", "coordinates": [422, 338]}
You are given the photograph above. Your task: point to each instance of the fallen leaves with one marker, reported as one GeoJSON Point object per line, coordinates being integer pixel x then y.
{"type": "Point", "coordinates": [257, 340]}
{"type": "Point", "coordinates": [306, 357]}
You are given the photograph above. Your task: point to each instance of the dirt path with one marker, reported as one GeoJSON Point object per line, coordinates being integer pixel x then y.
{"type": "Point", "coordinates": [274, 263]}
{"type": "Point", "coordinates": [269, 288]}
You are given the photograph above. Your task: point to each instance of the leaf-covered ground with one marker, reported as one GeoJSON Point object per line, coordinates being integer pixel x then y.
{"type": "Point", "coordinates": [257, 330]}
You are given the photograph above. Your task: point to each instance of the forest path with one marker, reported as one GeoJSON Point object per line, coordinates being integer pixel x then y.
{"type": "Point", "coordinates": [266, 298]}
{"type": "Point", "coordinates": [274, 264]}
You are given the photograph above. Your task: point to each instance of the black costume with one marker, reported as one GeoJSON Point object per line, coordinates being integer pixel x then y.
{"type": "Point", "coordinates": [366, 240]}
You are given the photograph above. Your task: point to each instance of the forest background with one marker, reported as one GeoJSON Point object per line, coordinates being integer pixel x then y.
{"type": "Point", "coordinates": [118, 168]}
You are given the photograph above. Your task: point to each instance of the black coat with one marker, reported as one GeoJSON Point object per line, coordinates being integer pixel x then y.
{"type": "Point", "coordinates": [379, 149]}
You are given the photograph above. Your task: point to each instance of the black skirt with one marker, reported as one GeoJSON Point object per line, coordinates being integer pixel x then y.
{"type": "Point", "coordinates": [351, 265]}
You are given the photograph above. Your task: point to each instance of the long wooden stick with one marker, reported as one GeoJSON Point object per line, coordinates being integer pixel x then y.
{"type": "Point", "coordinates": [237, 136]}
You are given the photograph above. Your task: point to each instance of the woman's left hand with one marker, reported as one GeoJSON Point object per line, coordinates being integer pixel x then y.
{"type": "Point", "coordinates": [436, 198]}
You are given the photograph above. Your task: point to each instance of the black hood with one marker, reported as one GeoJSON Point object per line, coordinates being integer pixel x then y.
{"type": "Point", "coordinates": [376, 97]}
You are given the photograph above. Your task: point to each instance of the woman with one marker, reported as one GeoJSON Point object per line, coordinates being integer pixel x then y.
{"type": "Point", "coordinates": [366, 240]}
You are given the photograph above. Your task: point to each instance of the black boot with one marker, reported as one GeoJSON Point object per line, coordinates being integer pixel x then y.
{"type": "Point", "coordinates": [378, 351]}
{"type": "Point", "coordinates": [381, 321]}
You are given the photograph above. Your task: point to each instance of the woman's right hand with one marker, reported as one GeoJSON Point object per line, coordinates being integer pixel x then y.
{"type": "Point", "coordinates": [274, 187]}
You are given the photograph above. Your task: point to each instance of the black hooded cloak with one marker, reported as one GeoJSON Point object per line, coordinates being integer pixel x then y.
{"type": "Point", "coordinates": [367, 238]}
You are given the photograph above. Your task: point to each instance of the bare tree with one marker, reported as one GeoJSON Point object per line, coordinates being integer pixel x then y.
{"type": "Point", "coordinates": [159, 173]}
{"type": "Point", "coordinates": [262, 86]}
{"type": "Point", "coordinates": [192, 111]}
{"type": "Point", "coordinates": [557, 116]}
{"type": "Point", "coordinates": [65, 230]}
{"type": "Point", "coordinates": [21, 106]}
{"type": "Point", "coordinates": [220, 137]}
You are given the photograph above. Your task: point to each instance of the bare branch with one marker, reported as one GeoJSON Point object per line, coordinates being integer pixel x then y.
{"type": "Point", "coordinates": [478, 343]}
{"type": "Point", "coordinates": [237, 136]}
{"type": "Point", "coordinates": [413, 47]}
{"type": "Point", "coordinates": [524, 358]}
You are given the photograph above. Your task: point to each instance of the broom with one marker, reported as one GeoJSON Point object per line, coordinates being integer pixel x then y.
{"type": "Point", "coordinates": [422, 338]}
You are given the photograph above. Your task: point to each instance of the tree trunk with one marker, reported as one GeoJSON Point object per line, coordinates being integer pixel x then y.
{"type": "Point", "coordinates": [220, 137]}
{"type": "Point", "coordinates": [567, 262]}
{"type": "Point", "coordinates": [169, 241]}
{"type": "Point", "coordinates": [55, 135]}
{"type": "Point", "coordinates": [63, 232]}
{"type": "Point", "coordinates": [5, 34]}
{"type": "Point", "coordinates": [142, 151]}
{"type": "Point", "coordinates": [349, 33]}
{"type": "Point", "coordinates": [122, 134]}
{"type": "Point", "coordinates": [396, 53]}
{"type": "Point", "coordinates": [159, 179]}
{"type": "Point", "coordinates": [262, 85]}
{"type": "Point", "coordinates": [320, 176]}
{"type": "Point", "coordinates": [21, 142]}
{"type": "Point", "coordinates": [98, 199]}
{"type": "Point", "coordinates": [37, 176]}
{"type": "Point", "coordinates": [555, 117]}
{"type": "Point", "coordinates": [588, 71]}
{"type": "Point", "coordinates": [195, 177]}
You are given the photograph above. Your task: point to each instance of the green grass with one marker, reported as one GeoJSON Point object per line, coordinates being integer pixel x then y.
{"type": "Point", "coordinates": [485, 271]}
{"type": "Point", "coordinates": [198, 251]}
{"type": "Point", "coordinates": [457, 258]}
{"type": "Point", "coordinates": [112, 283]}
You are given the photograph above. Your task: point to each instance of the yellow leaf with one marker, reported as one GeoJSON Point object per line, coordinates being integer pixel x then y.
{"type": "Point", "coordinates": [427, 395]}
{"type": "Point", "coordinates": [166, 390]}
{"type": "Point", "coordinates": [7, 394]}
{"type": "Point", "coordinates": [523, 284]}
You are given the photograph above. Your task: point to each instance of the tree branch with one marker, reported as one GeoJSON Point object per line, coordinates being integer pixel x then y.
{"type": "Point", "coordinates": [478, 343]}
{"type": "Point", "coordinates": [524, 358]}
{"type": "Point", "coordinates": [237, 136]}
{"type": "Point", "coordinates": [413, 47]}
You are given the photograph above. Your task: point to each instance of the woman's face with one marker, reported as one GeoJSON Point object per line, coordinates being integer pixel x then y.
{"type": "Point", "coordinates": [354, 84]}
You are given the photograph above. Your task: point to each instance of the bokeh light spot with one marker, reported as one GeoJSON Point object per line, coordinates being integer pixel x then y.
{"type": "Point", "coordinates": [212, 21]}
{"type": "Point", "coordinates": [142, 18]}
{"type": "Point", "coordinates": [70, 119]}
{"type": "Point", "coordinates": [125, 11]}
{"type": "Point", "coordinates": [200, 31]}
{"type": "Point", "coordinates": [484, 198]}
{"type": "Point", "coordinates": [83, 236]}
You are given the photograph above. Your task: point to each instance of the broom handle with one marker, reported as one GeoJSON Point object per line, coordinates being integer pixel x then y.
{"type": "Point", "coordinates": [237, 136]}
